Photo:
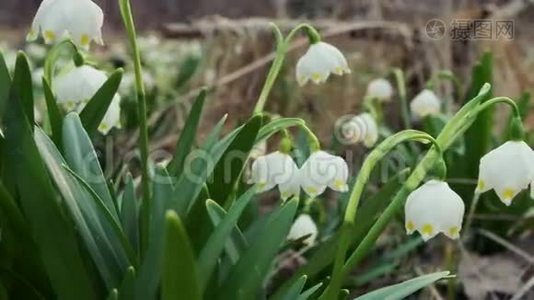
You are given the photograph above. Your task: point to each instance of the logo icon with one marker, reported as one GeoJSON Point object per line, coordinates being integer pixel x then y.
{"type": "Point", "coordinates": [435, 29]}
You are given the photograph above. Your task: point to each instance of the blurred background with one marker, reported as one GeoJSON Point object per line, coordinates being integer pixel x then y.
{"type": "Point", "coordinates": [227, 45]}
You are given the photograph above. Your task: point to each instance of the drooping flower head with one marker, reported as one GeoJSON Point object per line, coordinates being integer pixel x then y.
{"type": "Point", "coordinates": [426, 103]}
{"type": "Point", "coordinates": [82, 20]}
{"type": "Point", "coordinates": [507, 169]}
{"type": "Point", "coordinates": [74, 88]}
{"type": "Point", "coordinates": [303, 226]}
{"type": "Point", "coordinates": [433, 208]}
{"type": "Point", "coordinates": [319, 61]}
{"type": "Point", "coordinates": [322, 170]}
{"type": "Point", "coordinates": [276, 169]}
{"type": "Point", "coordinates": [380, 89]}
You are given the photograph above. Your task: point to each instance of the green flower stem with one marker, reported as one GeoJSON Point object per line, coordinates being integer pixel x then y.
{"type": "Point", "coordinates": [401, 88]}
{"type": "Point", "coordinates": [350, 213]}
{"type": "Point", "coordinates": [314, 143]}
{"type": "Point", "coordinates": [282, 46]}
{"type": "Point", "coordinates": [517, 131]}
{"type": "Point", "coordinates": [448, 75]}
{"type": "Point", "coordinates": [127, 18]}
{"type": "Point", "coordinates": [454, 128]}
{"type": "Point", "coordinates": [53, 55]}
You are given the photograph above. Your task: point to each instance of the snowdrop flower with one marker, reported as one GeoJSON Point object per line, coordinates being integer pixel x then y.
{"type": "Point", "coordinates": [322, 170]}
{"type": "Point", "coordinates": [74, 88]}
{"type": "Point", "coordinates": [319, 61]}
{"type": "Point", "coordinates": [380, 89]}
{"type": "Point", "coordinates": [433, 208]}
{"type": "Point", "coordinates": [426, 103]}
{"type": "Point", "coordinates": [303, 226]}
{"type": "Point", "coordinates": [82, 20]}
{"type": "Point", "coordinates": [507, 169]}
{"type": "Point", "coordinates": [78, 85]}
{"type": "Point", "coordinates": [274, 169]}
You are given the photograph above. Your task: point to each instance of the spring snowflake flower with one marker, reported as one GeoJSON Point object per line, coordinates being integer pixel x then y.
{"type": "Point", "coordinates": [426, 103]}
{"type": "Point", "coordinates": [507, 169]}
{"type": "Point", "coordinates": [303, 225]}
{"type": "Point", "coordinates": [361, 128]}
{"type": "Point", "coordinates": [433, 208]}
{"type": "Point", "coordinates": [380, 89]}
{"type": "Point", "coordinates": [322, 170]}
{"type": "Point", "coordinates": [319, 61]}
{"type": "Point", "coordinates": [274, 169]}
{"type": "Point", "coordinates": [74, 88]}
{"type": "Point", "coordinates": [82, 20]}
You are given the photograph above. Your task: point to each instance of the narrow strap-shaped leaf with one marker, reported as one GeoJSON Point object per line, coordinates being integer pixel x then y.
{"type": "Point", "coordinates": [294, 291]}
{"type": "Point", "coordinates": [207, 260]}
{"type": "Point", "coordinates": [5, 85]}
{"type": "Point", "coordinates": [247, 276]}
{"type": "Point", "coordinates": [231, 165]}
{"type": "Point", "coordinates": [82, 159]}
{"type": "Point", "coordinates": [52, 231]}
{"type": "Point", "coordinates": [23, 85]}
{"type": "Point", "coordinates": [148, 279]}
{"type": "Point", "coordinates": [309, 292]}
{"type": "Point", "coordinates": [96, 230]}
{"type": "Point", "coordinates": [130, 213]}
{"type": "Point", "coordinates": [127, 288]}
{"type": "Point", "coordinates": [55, 116]}
{"type": "Point", "coordinates": [237, 243]}
{"type": "Point", "coordinates": [107, 214]}
{"type": "Point", "coordinates": [95, 110]}
{"type": "Point", "coordinates": [187, 137]}
{"type": "Point", "coordinates": [402, 290]}
{"type": "Point", "coordinates": [179, 271]}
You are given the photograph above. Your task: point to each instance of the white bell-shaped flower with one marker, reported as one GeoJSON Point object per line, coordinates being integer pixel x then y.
{"type": "Point", "coordinates": [426, 103]}
{"type": "Point", "coordinates": [433, 208]}
{"type": "Point", "coordinates": [78, 85]}
{"type": "Point", "coordinates": [82, 20]}
{"type": "Point", "coordinates": [274, 169]}
{"type": "Point", "coordinates": [380, 89]}
{"type": "Point", "coordinates": [74, 88]}
{"type": "Point", "coordinates": [322, 170]}
{"type": "Point", "coordinates": [507, 169]}
{"type": "Point", "coordinates": [303, 226]}
{"type": "Point", "coordinates": [319, 61]}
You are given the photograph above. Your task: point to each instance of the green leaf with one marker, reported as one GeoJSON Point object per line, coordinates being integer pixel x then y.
{"type": "Point", "coordinates": [187, 137]}
{"type": "Point", "coordinates": [237, 243]}
{"type": "Point", "coordinates": [95, 110]}
{"type": "Point", "coordinates": [208, 257]}
{"type": "Point", "coordinates": [130, 213]}
{"type": "Point", "coordinates": [275, 126]}
{"type": "Point", "coordinates": [127, 288]}
{"type": "Point", "coordinates": [5, 85]}
{"type": "Point", "coordinates": [52, 231]}
{"type": "Point", "coordinates": [198, 170]}
{"type": "Point", "coordinates": [404, 289]}
{"type": "Point", "coordinates": [309, 292]}
{"type": "Point", "coordinates": [246, 278]}
{"type": "Point", "coordinates": [187, 70]}
{"type": "Point", "coordinates": [82, 159]}
{"type": "Point", "coordinates": [54, 113]}
{"type": "Point", "coordinates": [179, 272]}
{"type": "Point", "coordinates": [148, 279]}
{"type": "Point", "coordinates": [23, 85]}
{"type": "Point", "coordinates": [294, 291]}
{"type": "Point", "coordinates": [231, 164]}
{"type": "Point", "coordinates": [100, 237]}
